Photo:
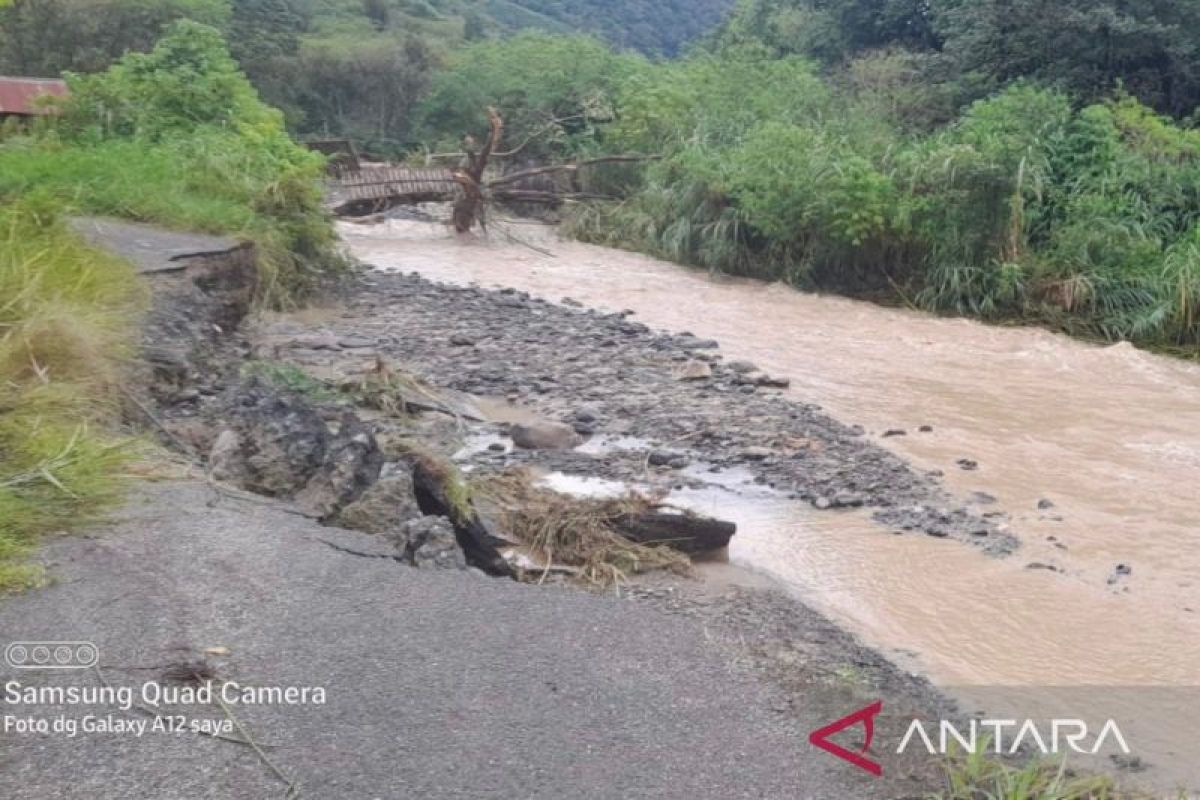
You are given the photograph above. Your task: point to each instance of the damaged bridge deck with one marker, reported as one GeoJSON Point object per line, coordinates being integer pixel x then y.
{"type": "Point", "coordinates": [374, 188]}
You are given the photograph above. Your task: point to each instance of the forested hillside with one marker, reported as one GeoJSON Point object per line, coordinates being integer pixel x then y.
{"type": "Point", "coordinates": [335, 67]}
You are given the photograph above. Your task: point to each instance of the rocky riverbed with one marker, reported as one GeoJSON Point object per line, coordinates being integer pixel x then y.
{"type": "Point", "coordinates": [608, 397]}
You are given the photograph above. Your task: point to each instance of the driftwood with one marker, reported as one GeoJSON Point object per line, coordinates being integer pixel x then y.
{"type": "Point", "coordinates": [688, 532]}
{"type": "Point", "coordinates": [440, 493]}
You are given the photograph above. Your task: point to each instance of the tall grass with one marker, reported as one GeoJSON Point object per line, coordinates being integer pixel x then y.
{"type": "Point", "coordinates": [208, 182]}
{"type": "Point", "coordinates": [68, 316]}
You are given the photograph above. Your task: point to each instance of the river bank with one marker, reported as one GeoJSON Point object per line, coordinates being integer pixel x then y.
{"type": "Point", "coordinates": [242, 586]}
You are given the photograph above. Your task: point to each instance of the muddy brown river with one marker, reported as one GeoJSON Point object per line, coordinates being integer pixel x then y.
{"type": "Point", "coordinates": [1109, 435]}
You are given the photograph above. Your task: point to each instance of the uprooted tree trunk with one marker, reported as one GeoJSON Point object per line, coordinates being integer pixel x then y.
{"type": "Point", "coordinates": [476, 193]}
{"type": "Point", "coordinates": [471, 206]}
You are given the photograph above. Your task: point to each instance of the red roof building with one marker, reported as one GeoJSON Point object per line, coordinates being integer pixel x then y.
{"type": "Point", "coordinates": [19, 96]}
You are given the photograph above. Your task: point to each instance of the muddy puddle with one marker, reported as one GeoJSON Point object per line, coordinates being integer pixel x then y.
{"type": "Point", "coordinates": [1093, 451]}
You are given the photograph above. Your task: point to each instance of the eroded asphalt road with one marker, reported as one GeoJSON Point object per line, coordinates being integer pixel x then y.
{"type": "Point", "coordinates": [438, 684]}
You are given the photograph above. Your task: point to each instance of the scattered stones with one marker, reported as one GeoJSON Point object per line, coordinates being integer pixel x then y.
{"type": "Point", "coordinates": [1120, 571]}
{"type": "Point", "coordinates": [544, 435]}
{"type": "Point", "coordinates": [592, 370]}
{"type": "Point", "coordinates": [695, 370]}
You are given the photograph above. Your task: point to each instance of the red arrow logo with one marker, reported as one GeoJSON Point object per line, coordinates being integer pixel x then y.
{"type": "Point", "coordinates": [866, 716]}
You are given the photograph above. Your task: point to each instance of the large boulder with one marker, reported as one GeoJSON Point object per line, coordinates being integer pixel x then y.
{"type": "Point", "coordinates": [274, 441]}
{"type": "Point", "coordinates": [352, 463]}
{"type": "Point", "coordinates": [545, 435]}
{"type": "Point", "coordinates": [383, 507]}
{"type": "Point", "coordinates": [429, 543]}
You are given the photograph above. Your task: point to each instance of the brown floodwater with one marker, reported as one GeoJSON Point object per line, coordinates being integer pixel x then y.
{"type": "Point", "coordinates": [1109, 434]}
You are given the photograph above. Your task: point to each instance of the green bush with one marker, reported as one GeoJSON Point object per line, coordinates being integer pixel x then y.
{"type": "Point", "coordinates": [178, 136]}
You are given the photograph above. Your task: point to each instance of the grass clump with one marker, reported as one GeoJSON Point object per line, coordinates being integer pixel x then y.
{"type": "Point", "coordinates": [580, 534]}
{"type": "Point", "coordinates": [292, 378]}
{"type": "Point", "coordinates": [67, 322]}
{"type": "Point", "coordinates": [978, 776]}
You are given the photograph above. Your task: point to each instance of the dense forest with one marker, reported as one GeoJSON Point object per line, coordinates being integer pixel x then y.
{"type": "Point", "coordinates": [956, 156]}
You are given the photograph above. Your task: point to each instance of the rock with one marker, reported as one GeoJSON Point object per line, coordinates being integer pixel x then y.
{"type": "Point", "coordinates": [586, 414]}
{"type": "Point", "coordinates": [694, 370]}
{"type": "Point", "coordinates": [967, 464]}
{"type": "Point", "coordinates": [544, 435]}
{"type": "Point", "coordinates": [430, 543]}
{"type": "Point", "coordinates": [225, 461]}
{"type": "Point", "coordinates": [889, 433]}
{"type": "Point", "coordinates": [352, 463]}
{"type": "Point", "coordinates": [755, 453]}
{"type": "Point", "coordinates": [1045, 505]}
{"type": "Point", "coordinates": [356, 342]}
{"type": "Point", "coordinates": [282, 440]}
{"type": "Point", "coordinates": [688, 342]}
{"type": "Point", "coordinates": [461, 340]}
{"type": "Point", "coordinates": [679, 530]}
{"type": "Point", "coordinates": [772, 382]}
{"type": "Point", "coordinates": [312, 341]}
{"type": "Point", "coordinates": [926, 429]}
{"type": "Point", "coordinates": [822, 503]}
{"type": "Point", "coordinates": [384, 506]}
{"type": "Point", "coordinates": [743, 367]}
{"type": "Point", "coordinates": [983, 498]}
{"type": "Point", "coordinates": [1040, 565]}
{"type": "Point", "coordinates": [661, 458]}
{"type": "Point", "coordinates": [848, 499]}
{"type": "Point", "coordinates": [583, 428]}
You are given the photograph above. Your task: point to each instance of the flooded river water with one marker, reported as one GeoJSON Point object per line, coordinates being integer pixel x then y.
{"type": "Point", "coordinates": [1110, 436]}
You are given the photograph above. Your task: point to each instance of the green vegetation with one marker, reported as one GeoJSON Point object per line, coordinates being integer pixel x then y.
{"type": "Point", "coordinates": [175, 136]}
{"type": "Point", "coordinates": [67, 316]}
{"type": "Point", "coordinates": [554, 90]}
{"type": "Point", "coordinates": [1025, 207]}
{"type": "Point", "coordinates": [977, 776]}
{"type": "Point", "coordinates": [179, 137]}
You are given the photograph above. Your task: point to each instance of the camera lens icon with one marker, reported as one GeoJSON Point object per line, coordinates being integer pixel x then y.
{"type": "Point", "coordinates": [51, 655]}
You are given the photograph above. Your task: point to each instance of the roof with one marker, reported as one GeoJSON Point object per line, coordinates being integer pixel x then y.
{"type": "Point", "coordinates": [18, 95]}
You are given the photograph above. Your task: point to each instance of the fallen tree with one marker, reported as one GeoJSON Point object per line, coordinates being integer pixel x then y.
{"type": "Point", "coordinates": [471, 208]}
